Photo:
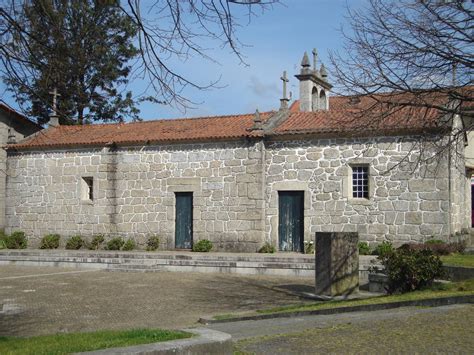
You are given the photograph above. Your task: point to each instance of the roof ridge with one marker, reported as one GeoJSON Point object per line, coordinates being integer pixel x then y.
{"type": "Point", "coordinates": [167, 120]}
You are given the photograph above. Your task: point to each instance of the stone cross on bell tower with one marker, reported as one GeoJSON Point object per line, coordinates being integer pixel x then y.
{"type": "Point", "coordinates": [53, 118]}
{"type": "Point", "coordinates": [284, 100]}
{"type": "Point", "coordinates": [315, 59]}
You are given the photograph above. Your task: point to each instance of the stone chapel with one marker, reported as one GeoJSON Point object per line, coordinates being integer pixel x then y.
{"type": "Point", "coordinates": [244, 180]}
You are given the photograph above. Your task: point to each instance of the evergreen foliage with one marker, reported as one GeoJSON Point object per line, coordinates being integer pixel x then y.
{"type": "Point", "coordinates": [82, 48]}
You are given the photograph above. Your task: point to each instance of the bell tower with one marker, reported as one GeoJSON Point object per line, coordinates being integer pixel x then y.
{"type": "Point", "coordinates": [314, 87]}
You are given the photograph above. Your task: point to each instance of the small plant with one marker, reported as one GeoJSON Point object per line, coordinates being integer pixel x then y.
{"type": "Point", "coordinates": [3, 240]}
{"type": "Point", "coordinates": [153, 243]}
{"type": "Point", "coordinates": [16, 240]}
{"type": "Point", "coordinates": [383, 248]}
{"type": "Point", "coordinates": [364, 248]}
{"type": "Point", "coordinates": [409, 270]}
{"type": "Point", "coordinates": [267, 248]}
{"type": "Point", "coordinates": [438, 247]}
{"type": "Point", "coordinates": [434, 241]}
{"type": "Point", "coordinates": [96, 242]}
{"type": "Point", "coordinates": [129, 245]}
{"type": "Point", "coordinates": [50, 241]}
{"type": "Point", "coordinates": [115, 243]}
{"type": "Point", "coordinates": [203, 245]}
{"type": "Point", "coordinates": [308, 247]}
{"type": "Point", "coordinates": [74, 243]}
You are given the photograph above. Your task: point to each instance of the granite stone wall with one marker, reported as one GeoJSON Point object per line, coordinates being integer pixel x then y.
{"type": "Point", "coordinates": [20, 130]}
{"type": "Point", "coordinates": [134, 193]}
{"type": "Point", "coordinates": [235, 191]}
{"type": "Point", "coordinates": [407, 201]}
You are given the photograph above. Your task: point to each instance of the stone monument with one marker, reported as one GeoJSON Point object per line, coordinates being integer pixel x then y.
{"type": "Point", "coordinates": [337, 263]}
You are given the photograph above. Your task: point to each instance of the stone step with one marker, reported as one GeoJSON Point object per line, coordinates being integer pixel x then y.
{"type": "Point", "coordinates": [249, 264]}
{"type": "Point", "coordinates": [135, 256]}
{"type": "Point", "coordinates": [296, 272]}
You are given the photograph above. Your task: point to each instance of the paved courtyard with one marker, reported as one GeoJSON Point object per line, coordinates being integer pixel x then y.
{"type": "Point", "coordinates": [45, 300]}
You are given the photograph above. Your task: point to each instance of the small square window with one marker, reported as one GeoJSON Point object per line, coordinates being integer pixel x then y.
{"type": "Point", "coordinates": [360, 182]}
{"type": "Point", "coordinates": [87, 189]}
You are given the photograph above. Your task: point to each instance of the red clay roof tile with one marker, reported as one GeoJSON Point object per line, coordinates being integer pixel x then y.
{"type": "Point", "coordinates": [347, 114]}
{"type": "Point", "coordinates": [191, 129]}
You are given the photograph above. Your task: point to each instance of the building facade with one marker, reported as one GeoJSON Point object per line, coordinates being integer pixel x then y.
{"type": "Point", "coordinates": [245, 180]}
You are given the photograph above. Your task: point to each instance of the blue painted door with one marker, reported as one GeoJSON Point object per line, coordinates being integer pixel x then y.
{"type": "Point", "coordinates": [291, 220]}
{"type": "Point", "coordinates": [184, 220]}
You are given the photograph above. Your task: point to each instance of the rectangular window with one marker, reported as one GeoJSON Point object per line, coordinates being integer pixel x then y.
{"type": "Point", "coordinates": [87, 189]}
{"type": "Point", "coordinates": [360, 182]}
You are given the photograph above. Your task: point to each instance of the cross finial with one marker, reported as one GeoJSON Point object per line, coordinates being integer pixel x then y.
{"type": "Point", "coordinates": [285, 80]}
{"type": "Point", "coordinates": [55, 102]}
{"type": "Point", "coordinates": [315, 58]}
{"type": "Point", "coordinates": [53, 120]}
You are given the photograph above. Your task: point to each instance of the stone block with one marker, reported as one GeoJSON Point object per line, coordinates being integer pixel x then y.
{"type": "Point", "coordinates": [423, 185]}
{"type": "Point", "coordinates": [435, 217]}
{"type": "Point", "coordinates": [331, 153]}
{"type": "Point", "coordinates": [413, 217]}
{"type": "Point", "coordinates": [313, 156]}
{"type": "Point", "coordinates": [378, 228]}
{"type": "Point", "coordinates": [385, 206]}
{"type": "Point", "coordinates": [336, 263]}
{"type": "Point", "coordinates": [306, 165]}
{"type": "Point", "coordinates": [331, 186]}
{"type": "Point", "coordinates": [400, 205]}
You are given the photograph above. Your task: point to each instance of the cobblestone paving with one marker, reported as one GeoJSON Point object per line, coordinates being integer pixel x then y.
{"type": "Point", "coordinates": [440, 330]}
{"type": "Point", "coordinates": [36, 300]}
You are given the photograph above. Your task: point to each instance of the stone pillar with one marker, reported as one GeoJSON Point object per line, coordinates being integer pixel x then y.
{"type": "Point", "coordinates": [337, 263]}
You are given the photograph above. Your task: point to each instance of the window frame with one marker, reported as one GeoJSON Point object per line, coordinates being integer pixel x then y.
{"type": "Point", "coordinates": [360, 190]}
{"type": "Point", "coordinates": [87, 192]}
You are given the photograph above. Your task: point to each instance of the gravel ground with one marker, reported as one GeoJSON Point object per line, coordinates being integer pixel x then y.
{"type": "Point", "coordinates": [445, 330]}
{"type": "Point", "coordinates": [46, 300]}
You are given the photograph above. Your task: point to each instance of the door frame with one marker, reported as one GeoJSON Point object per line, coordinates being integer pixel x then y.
{"type": "Point", "coordinates": [273, 218]}
{"type": "Point", "coordinates": [176, 194]}
{"type": "Point", "coordinates": [302, 194]}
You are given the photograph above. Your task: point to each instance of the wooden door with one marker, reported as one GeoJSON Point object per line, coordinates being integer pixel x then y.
{"type": "Point", "coordinates": [291, 220]}
{"type": "Point", "coordinates": [184, 220]}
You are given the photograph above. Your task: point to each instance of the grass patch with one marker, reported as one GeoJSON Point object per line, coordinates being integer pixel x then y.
{"type": "Point", "coordinates": [464, 260]}
{"type": "Point", "coordinates": [78, 342]}
{"type": "Point", "coordinates": [436, 291]}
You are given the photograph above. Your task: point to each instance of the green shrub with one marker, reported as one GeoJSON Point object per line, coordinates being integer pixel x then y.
{"type": "Point", "coordinates": [203, 245]}
{"type": "Point", "coordinates": [438, 247]}
{"type": "Point", "coordinates": [308, 247]}
{"type": "Point", "coordinates": [3, 240]}
{"type": "Point", "coordinates": [16, 240]}
{"type": "Point", "coordinates": [74, 243]}
{"type": "Point", "coordinates": [153, 243]}
{"type": "Point", "coordinates": [409, 270]}
{"type": "Point", "coordinates": [267, 248]}
{"type": "Point", "coordinates": [364, 248]}
{"type": "Point", "coordinates": [96, 242]}
{"type": "Point", "coordinates": [383, 248]}
{"type": "Point", "coordinates": [50, 241]}
{"type": "Point", "coordinates": [115, 243]}
{"type": "Point", "coordinates": [129, 245]}
{"type": "Point", "coordinates": [435, 241]}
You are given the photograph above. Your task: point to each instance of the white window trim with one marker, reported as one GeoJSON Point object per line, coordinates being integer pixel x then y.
{"type": "Point", "coordinates": [347, 189]}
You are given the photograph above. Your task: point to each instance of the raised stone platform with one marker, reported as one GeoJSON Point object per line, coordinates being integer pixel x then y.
{"type": "Point", "coordinates": [282, 264]}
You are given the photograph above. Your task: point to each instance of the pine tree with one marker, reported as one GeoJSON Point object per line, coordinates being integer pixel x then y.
{"type": "Point", "coordinates": [81, 48]}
